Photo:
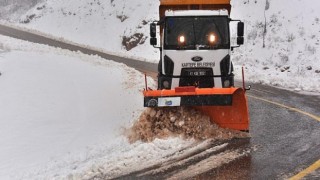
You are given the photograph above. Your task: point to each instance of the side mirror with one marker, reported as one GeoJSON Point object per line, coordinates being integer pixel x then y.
{"type": "Point", "coordinates": [240, 29]}
{"type": "Point", "coordinates": [153, 30]}
{"type": "Point", "coordinates": [240, 40]}
{"type": "Point", "coordinates": [153, 41]}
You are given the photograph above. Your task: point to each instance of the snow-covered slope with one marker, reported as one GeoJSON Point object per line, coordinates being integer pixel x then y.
{"type": "Point", "coordinates": [102, 24]}
{"type": "Point", "coordinates": [282, 42]}
{"type": "Point", "coordinates": [281, 46]}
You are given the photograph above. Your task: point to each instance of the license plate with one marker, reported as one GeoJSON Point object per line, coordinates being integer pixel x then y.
{"type": "Point", "coordinates": [197, 73]}
{"type": "Point", "coordinates": [169, 101]}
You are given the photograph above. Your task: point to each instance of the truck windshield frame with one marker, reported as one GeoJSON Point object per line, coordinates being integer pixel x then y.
{"type": "Point", "coordinates": [196, 31]}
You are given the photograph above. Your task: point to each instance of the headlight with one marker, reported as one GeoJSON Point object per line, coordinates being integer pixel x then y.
{"type": "Point", "coordinates": [212, 38]}
{"type": "Point", "coordinates": [181, 39]}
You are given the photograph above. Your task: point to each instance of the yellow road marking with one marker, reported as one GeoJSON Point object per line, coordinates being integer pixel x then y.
{"type": "Point", "coordinates": [317, 118]}
{"type": "Point", "coordinates": [307, 171]}
{"type": "Point", "coordinates": [314, 166]}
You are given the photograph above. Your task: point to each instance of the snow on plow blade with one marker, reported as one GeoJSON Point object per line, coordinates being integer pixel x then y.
{"type": "Point", "coordinates": [225, 106]}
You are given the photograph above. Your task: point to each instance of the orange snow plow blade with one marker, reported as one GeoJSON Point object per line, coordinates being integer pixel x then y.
{"type": "Point", "coordinates": [227, 107]}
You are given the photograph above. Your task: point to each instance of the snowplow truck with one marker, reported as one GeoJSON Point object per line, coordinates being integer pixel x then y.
{"type": "Point", "coordinates": [195, 68]}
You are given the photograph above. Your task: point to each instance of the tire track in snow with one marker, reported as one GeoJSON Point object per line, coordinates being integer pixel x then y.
{"type": "Point", "coordinates": [194, 161]}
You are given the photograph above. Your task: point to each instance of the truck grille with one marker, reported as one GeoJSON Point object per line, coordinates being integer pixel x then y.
{"type": "Point", "coordinates": [199, 77]}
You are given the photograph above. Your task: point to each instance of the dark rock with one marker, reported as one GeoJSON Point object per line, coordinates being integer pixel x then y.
{"type": "Point", "coordinates": [133, 41]}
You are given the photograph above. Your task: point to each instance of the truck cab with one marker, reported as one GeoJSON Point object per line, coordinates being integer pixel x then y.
{"type": "Point", "coordinates": [195, 45]}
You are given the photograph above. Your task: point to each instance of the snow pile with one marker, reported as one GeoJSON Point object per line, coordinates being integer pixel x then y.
{"type": "Point", "coordinates": [178, 121]}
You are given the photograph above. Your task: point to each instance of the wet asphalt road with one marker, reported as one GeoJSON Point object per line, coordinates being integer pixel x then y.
{"type": "Point", "coordinates": [284, 141]}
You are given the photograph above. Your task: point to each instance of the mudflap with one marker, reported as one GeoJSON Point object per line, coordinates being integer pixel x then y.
{"type": "Point", "coordinates": [235, 116]}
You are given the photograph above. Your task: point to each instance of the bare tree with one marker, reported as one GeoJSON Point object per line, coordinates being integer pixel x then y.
{"type": "Point", "coordinates": [267, 6]}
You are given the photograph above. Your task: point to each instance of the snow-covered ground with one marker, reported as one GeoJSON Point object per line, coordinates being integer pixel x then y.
{"type": "Point", "coordinates": [287, 57]}
{"type": "Point", "coordinates": [102, 24]}
{"type": "Point", "coordinates": [282, 45]}
{"type": "Point", "coordinates": [62, 114]}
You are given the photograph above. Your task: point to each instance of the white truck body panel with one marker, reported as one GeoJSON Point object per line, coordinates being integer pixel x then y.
{"type": "Point", "coordinates": [182, 59]}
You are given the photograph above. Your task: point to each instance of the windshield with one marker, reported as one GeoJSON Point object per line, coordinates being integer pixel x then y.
{"type": "Point", "coordinates": [197, 32]}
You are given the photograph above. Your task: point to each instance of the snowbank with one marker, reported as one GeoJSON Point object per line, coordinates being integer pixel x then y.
{"type": "Point", "coordinates": [60, 111]}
